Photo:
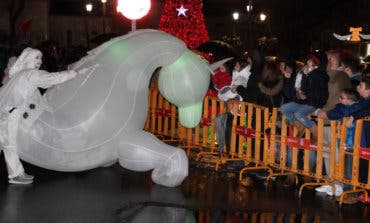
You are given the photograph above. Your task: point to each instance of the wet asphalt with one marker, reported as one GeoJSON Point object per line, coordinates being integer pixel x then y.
{"type": "Point", "coordinates": [114, 194]}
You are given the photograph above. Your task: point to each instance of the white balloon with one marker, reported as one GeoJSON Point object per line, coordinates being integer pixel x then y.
{"type": "Point", "coordinates": [98, 117]}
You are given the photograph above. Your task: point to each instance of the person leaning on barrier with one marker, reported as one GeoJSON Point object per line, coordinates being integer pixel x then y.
{"type": "Point", "coordinates": [348, 104]}
{"type": "Point", "coordinates": [364, 90]}
{"type": "Point", "coordinates": [18, 98]}
{"type": "Point", "coordinates": [310, 96]}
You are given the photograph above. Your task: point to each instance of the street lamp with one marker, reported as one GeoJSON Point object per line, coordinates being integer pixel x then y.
{"type": "Point", "coordinates": [104, 2]}
{"type": "Point", "coordinates": [89, 8]}
{"type": "Point", "coordinates": [235, 17]}
{"type": "Point", "coordinates": [262, 17]}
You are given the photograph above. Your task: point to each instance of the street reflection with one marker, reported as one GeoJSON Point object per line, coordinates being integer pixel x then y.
{"type": "Point", "coordinates": [169, 205]}
{"type": "Point", "coordinates": [116, 195]}
{"type": "Point", "coordinates": [158, 212]}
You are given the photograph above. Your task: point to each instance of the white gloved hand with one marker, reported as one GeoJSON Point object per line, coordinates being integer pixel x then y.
{"type": "Point", "coordinates": [89, 69]}
{"type": "Point", "coordinates": [83, 70]}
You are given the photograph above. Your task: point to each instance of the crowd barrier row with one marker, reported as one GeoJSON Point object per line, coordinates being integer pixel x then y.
{"type": "Point", "coordinates": [262, 140]}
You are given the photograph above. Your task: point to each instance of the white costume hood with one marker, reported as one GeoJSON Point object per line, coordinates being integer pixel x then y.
{"type": "Point", "coordinates": [26, 61]}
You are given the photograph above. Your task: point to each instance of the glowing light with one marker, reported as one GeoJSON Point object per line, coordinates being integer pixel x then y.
{"type": "Point", "coordinates": [236, 15]}
{"type": "Point", "coordinates": [133, 9]}
{"type": "Point", "coordinates": [262, 16]}
{"type": "Point", "coordinates": [89, 7]}
{"type": "Point", "coordinates": [249, 6]}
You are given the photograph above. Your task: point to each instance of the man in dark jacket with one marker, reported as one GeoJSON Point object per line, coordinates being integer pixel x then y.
{"type": "Point", "coordinates": [311, 95]}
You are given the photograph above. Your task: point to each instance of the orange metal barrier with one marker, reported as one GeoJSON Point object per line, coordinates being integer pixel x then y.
{"type": "Point", "coordinates": [162, 118]}
{"type": "Point", "coordinates": [204, 135]}
{"type": "Point", "coordinates": [286, 142]}
{"type": "Point", "coordinates": [255, 152]}
{"type": "Point", "coordinates": [359, 156]}
{"type": "Point", "coordinates": [259, 149]}
{"type": "Point", "coordinates": [225, 154]}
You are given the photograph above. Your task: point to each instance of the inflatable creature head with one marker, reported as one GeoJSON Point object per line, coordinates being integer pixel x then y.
{"type": "Point", "coordinates": [184, 83]}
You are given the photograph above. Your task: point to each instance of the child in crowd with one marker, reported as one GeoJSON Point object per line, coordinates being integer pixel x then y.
{"type": "Point", "coordinates": [220, 79]}
{"type": "Point", "coordinates": [241, 75]}
{"type": "Point", "coordinates": [347, 105]}
{"type": "Point", "coordinates": [364, 104]}
{"type": "Point", "coordinates": [364, 110]}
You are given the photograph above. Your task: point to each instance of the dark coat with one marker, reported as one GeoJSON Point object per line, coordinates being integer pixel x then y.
{"type": "Point", "coordinates": [249, 93]}
{"type": "Point", "coordinates": [315, 86]}
{"type": "Point", "coordinates": [289, 92]}
{"type": "Point", "coordinates": [269, 94]}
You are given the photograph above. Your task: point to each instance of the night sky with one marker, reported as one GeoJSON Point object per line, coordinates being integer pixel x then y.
{"type": "Point", "coordinates": [300, 23]}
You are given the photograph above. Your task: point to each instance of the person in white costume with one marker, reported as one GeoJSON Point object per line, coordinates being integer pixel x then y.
{"type": "Point", "coordinates": [17, 97]}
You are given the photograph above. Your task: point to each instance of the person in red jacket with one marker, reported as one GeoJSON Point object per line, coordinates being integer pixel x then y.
{"type": "Point", "coordinates": [220, 79]}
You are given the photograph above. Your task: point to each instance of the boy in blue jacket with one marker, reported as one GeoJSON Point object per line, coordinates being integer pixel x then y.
{"type": "Point", "coordinates": [364, 110]}
{"type": "Point", "coordinates": [348, 104]}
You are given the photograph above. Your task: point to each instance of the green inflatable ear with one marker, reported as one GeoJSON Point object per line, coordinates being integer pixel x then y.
{"type": "Point", "coordinates": [184, 83]}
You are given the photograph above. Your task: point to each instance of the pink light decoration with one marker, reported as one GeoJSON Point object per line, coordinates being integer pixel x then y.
{"type": "Point", "coordinates": [133, 9]}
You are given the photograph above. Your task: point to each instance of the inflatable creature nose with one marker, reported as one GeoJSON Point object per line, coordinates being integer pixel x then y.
{"type": "Point", "coordinates": [191, 115]}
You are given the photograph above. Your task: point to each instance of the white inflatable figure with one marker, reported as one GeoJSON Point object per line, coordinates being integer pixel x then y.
{"type": "Point", "coordinates": [19, 98]}
{"type": "Point", "coordinates": [98, 117]}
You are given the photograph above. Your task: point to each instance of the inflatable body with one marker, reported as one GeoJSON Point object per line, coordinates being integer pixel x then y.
{"type": "Point", "coordinates": [97, 118]}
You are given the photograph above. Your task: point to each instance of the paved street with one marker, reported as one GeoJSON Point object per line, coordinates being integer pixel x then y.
{"type": "Point", "coordinates": [114, 194]}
